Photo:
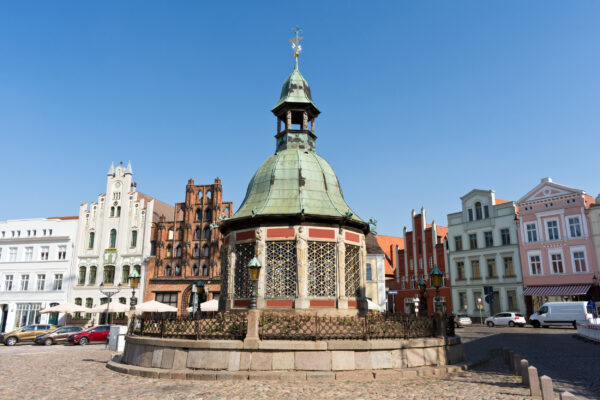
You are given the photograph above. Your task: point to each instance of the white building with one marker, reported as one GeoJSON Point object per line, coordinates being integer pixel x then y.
{"type": "Point", "coordinates": [35, 262]}
{"type": "Point", "coordinates": [113, 238]}
{"type": "Point", "coordinates": [483, 251]}
{"type": "Point", "coordinates": [375, 274]}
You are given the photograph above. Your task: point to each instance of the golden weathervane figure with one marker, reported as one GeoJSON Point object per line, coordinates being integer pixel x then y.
{"type": "Point", "coordinates": [295, 41]}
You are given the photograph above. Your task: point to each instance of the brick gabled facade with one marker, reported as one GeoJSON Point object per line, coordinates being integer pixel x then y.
{"type": "Point", "coordinates": [185, 249]}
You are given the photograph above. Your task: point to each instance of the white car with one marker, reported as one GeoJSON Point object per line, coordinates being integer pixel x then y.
{"type": "Point", "coordinates": [506, 318]}
{"type": "Point", "coordinates": [462, 320]}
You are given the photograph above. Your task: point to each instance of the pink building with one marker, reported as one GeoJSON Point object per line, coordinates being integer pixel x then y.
{"type": "Point", "coordinates": [557, 252]}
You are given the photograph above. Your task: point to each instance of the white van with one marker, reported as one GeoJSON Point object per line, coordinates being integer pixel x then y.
{"type": "Point", "coordinates": [560, 313]}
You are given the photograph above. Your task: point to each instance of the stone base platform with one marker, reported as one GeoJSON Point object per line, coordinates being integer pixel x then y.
{"type": "Point", "coordinates": [364, 375]}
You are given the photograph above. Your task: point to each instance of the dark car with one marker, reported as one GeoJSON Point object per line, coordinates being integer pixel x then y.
{"type": "Point", "coordinates": [93, 335]}
{"type": "Point", "coordinates": [57, 336]}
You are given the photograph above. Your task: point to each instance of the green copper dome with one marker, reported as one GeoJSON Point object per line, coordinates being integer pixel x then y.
{"type": "Point", "coordinates": [295, 182]}
{"type": "Point", "coordinates": [295, 89]}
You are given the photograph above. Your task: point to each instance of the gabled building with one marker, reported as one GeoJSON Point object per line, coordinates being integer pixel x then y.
{"type": "Point", "coordinates": [423, 249]}
{"type": "Point", "coordinates": [483, 251]}
{"type": "Point", "coordinates": [113, 239]}
{"type": "Point", "coordinates": [556, 244]}
{"type": "Point", "coordinates": [186, 248]}
{"type": "Point", "coordinates": [390, 245]}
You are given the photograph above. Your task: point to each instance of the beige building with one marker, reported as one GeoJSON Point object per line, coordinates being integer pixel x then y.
{"type": "Point", "coordinates": [593, 213]}
{"type": "Point", "coordinates": [375, 275]}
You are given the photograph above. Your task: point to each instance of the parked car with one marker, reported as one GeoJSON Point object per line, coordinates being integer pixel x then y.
{"type": "Point", "coordinates": [462, 320]}
{"type": "Point", "coordinates": [95, 334]}
{"type": "Point", "coordinates": [57, 336]}
{"type": "Point", "coordinates": [561, 313]}
{"type": "Point", "coordinates": [25, 333]}
{"type": "Point", "coordinates": [509, 318]}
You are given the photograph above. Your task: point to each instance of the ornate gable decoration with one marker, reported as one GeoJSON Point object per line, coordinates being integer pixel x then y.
{"type": "Point", "coordinates": [548, 189]}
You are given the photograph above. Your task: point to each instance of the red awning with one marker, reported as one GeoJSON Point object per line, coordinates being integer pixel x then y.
{"type": "Point", "coordinates": [567, 290]}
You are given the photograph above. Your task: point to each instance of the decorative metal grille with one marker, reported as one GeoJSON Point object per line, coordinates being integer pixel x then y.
{"type": "Point", "coordinates": [281, 270]}
{"type": "Point", "coordinates": [352, 271]}
{"type": "Point", "coordinates": [322, 269]}
{"type": "Point", "coordinates": [219, 326]}
{"type": "Point", "coordinates": [243, 254]}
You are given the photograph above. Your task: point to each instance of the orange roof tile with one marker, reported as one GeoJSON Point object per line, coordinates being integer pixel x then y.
{"type": "Point", "coordinates": [500, 201]}
{"type": "Point", "coordinates": [388, 245]}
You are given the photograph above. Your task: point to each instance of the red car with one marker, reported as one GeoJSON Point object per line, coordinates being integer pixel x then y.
{"type": "Point", "coordinates": [96, 334]}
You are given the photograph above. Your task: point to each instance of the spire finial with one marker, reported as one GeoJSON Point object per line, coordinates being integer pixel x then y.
{"type": "Point", "coordinates": [295, 41]}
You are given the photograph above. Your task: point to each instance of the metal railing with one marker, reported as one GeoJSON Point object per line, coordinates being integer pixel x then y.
{"type": "Point", "coordinates": [231, 326]}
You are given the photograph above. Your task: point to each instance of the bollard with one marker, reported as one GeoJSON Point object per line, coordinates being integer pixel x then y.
{"type": "Point", "coordinates": [547, 389]}
{"type": "Point", "coordinates": [516, 361]}
{"type": "Point", "coordinates": [524, 375]}
{"type": "Point", "coordinates": [534, 382]}
{"type": "Point", "coordinates": [567, 396]}
{"type": "Point", "coordinates": [510, 358]}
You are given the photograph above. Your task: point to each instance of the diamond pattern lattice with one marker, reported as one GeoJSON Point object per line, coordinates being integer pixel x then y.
{"type": "Point", "coordinates": [352, 271]}
{"type": "Point", "coordinates": [322, 269]}
{"type": "Point", "coordinates": [243, 254]}
{"type": "Point", "coordinates": [281, 269]}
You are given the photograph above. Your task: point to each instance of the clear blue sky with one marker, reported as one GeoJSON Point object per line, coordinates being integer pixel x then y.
{"type": "Point", "coordinates": [421, 101]}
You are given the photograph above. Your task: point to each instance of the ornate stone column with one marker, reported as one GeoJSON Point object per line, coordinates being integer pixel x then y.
{"type": "Point", "coordinates": [231, 275]}
{"type": "Point", "coordinates": [261, 253]}
{"type": "Point", "coordinates": [302, 301]}
{"type": "Point", "coordinates": [341, 272]}
{"type": "Point", "coordinates": [363, 274]}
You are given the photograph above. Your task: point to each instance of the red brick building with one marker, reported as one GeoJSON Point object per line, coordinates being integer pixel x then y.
{"type": "Point", "coordinates": [424, 247]}
{"type": "Point", "coordinates": [185, 248]}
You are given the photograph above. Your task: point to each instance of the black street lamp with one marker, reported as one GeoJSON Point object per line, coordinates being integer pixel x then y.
{"type": "Point", "coordinates": [254, 269]}
{"type": "Point", "coordinates": [436, 281]}
{"type": "Point", "coordinates": [422, 288]}
{"type": "Point", "coordinates": [134, 281]}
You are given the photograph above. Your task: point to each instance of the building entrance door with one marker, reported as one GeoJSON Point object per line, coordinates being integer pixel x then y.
{"type": "Point", "coordinates": [3, 315]}
{"type": "Point", "coordinates": [496, 304]}
{"type": "Point", "coordinates": [53, 318]}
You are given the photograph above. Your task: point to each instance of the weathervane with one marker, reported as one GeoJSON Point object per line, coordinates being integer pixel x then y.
{"type": "Point", "coordinates": [295, 41]}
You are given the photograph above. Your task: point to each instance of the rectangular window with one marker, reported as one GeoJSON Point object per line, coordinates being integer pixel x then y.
{"type": "Point", "coordinates": [24, 282]}
{"type": "Point", "coordinates": [491, 268]}
{"type": "Point", "coordinates": [531, 233]}
{"type": "Point", "coordinates": [475, 269]}
{"type": "Point", "coordinates": [458, 243]}
{"type": "Point", "coordinates": [167, 298]}
{"type": "Point", "coordinates": [552, 230]}
{"type": "Point", "coordinates": [91, 240]}
{"type": "Point", "coordinates": [557, 264]}
{"type": "Point", "coordinates": [420, 263]}
{"type": "Point", "coordinates": [412, 264]}
{"type": "Point", "coordinates": [509, 270]}
{"type": "Point", "coordinates": [505, 234]}
{"type": "Point", "coordinates": [535, 264]}
{"type": "Point", "coordinates": [109, 275]}
{"type": "Point", "coordinates": [133, 238]}
{"type": "Point", "coordinates": [403, 282]}
{"type": "Point", "coordinates": [486, 211]}
{"type": "Point", "coordinates": [28, 253]}
{"type": "Point", "coordinates": [369, 272]}
{"type": "Point", "coordinates": [579, 261]}
{"type": "Point", "coordinates": [8, 283]}
{"type": "Point", "coordinates": [41, 282]}
{"type": "Point", "coordinates": [489, 239]}
{"type": "Point", "coordinates": [27, 314]}
{"type": "Point", "coordinates": [473, 241]}
{"type": "Point", "coordinates": [574, 227]}
{"type": "Point", "coordinates": [460, 270]}
{"type": "Point", "coordinates": [412, 282]}
{"type": "Point", "coordinates": [12, 255]}
{"type": "Point", "coordinates": [470, 211]}
{"type": "Point", "coordinates": [44, 253]}
{"type": "Point", "coordinates": [511, 297]}
{"type": "Point", "coordinates": [62, 252]}
{"type": "Point", "coordinates": [462, 301]}
{"type": "Point", "coordinates": [57, 284]}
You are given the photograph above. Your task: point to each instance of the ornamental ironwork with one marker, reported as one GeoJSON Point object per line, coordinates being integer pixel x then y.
{"type": "Point", "coordinates": [243, 253]}
{"type": "Point", "coordinates": [352, 271]}
{"type": "Point", "coordinates": [322, 269]}
{"type": "Point", "coordinates": [281, 270]}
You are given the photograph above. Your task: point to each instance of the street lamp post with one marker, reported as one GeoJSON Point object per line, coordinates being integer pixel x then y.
{"type": "Point", "coordinates": [422, 288]}
{"type": "Point", "coordinates": [436, 281]}
{"type": "Point", "coordinates": [109, 294]}
{"type": "Point", "coordinates": [134, 281]}
{"type": "Point", "coordinates": [254, 269]}
{"type": "Point", "coordinates": [198, 299]}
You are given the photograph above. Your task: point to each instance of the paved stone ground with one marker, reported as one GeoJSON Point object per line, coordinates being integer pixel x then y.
{"type": "Point", "coordinates": [571, 362]}
{"type": "Point", "coordinates": [80, 373]}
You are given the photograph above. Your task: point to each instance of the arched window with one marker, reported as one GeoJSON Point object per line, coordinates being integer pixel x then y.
{"type": "Point", "coordinates": [478, 213]}
{"type": "Point", "coordinates": [177, 270]}
{"type": "Point", "coordinates": [196, 250]}
{"type": "Point", "coordinates": [196, 270]}
{"type": "Point", "coordinates": [112, 211]}
{"type": "Point", "coordinates": [92, 277]}
{"type": "Point", "coordinates": [204, 270]}
{"type": "Point", "coordinates": [199, 215]}
{"type": "Point", "coordinates": [209, 195]}
{"type": "Point", "coordinates": [125, 274]}
{"type": "Point", "coordinates": [207, 233]}
{"type": "Point", "coordinates": [119, 211]}
{"type": "Point", "coordinates": [369, 272]}
{"type": "Point", "coordinates": [178, 251]}
{"type": "Point", "coordinates": [113, 239]}
{"type": "Point", "coordinates": [169, 251]}
{"type": "Point", "coordinates": [109, 275]}
{"type": "Point", "coordinates": [226, 211]}
{"type": "Point", "coordinates": [208, 215]}
{"type": "Point", "coordinates": [198, 233]}
{"type": "Point", "coordinates": [91, 241]}
{"type": "Point", "coordinates": [138, 269]}
{"type": "Point", "coordinates": [168, 271]}
{"type": "Point", "coordinates": [205, 251]}
{"type": "Point", "coordinates": [81, 280]}
{"type": "Point", "coordinates": [200, 194]}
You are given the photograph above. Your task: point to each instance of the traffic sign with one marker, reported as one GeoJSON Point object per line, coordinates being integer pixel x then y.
{"type": "Point", "coordinates": [591, 305]}
{"type": "Point", "coordinates": [392, 292]}
{"type": "Point", "coordinates": [479, 303]}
